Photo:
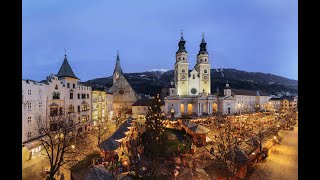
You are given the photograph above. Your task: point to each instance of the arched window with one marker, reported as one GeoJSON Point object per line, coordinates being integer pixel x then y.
{"type": "Point", "coordinates": [183, 70]}
{"type": "Point", "coordinates": [179, 58]}
{"type": "Point", "coordinates": [183, 58]}
{"type": "Point", "coordinates": [55, 95]}
{"type": "Point", "coordinates": [194, 76]}
{"type": "Point", "coordinates": [205, 71]}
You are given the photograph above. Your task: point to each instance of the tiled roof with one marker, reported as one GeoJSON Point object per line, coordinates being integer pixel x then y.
{"type": "Point", "coordinates": [66, 70]}
{"type": "Point", "coordinates": [275, 98]}
{"type": "Point", "coordinates": [196, 127]}
{"type": "Point", "coordinates": [96, 173]}
{"type": "Point", "coordinates": [289, 98]}
{"type": "Point", "coordinates": [248, 92]}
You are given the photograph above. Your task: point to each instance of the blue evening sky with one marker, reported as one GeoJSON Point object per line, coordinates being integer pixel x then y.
{"type": "Point", "coordinates": [249, 35]}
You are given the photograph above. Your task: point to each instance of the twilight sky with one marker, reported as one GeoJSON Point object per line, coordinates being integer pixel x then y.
{"type": "Point", "coordinates": [249, 35]}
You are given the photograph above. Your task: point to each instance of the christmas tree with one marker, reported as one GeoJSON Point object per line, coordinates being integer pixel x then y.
{"type": "Point", "coordinates": [154, 117]}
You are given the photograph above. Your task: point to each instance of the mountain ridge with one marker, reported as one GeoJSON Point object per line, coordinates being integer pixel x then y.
{"type": "Point", "coordinates": [152, 82]}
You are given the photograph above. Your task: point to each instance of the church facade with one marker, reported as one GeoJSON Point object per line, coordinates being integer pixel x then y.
{"type": "Point", "coordinates": [123, 94]}
{"type": "Point", "coordinates": [192, 92]}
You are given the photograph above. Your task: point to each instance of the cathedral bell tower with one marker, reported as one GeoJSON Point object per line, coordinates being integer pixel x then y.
{"type": "Point", "coordinates": [117, 70]}
{"type": "Point", "coordinates": [181, 69]}
{"type": "Point", "coordinates": [203, 68]}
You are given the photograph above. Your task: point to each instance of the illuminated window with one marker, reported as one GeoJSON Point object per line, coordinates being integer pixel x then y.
{"type": "Point", "coordinates": [84, 107]}
{"type": "Point", "coordinates": [71, 108]}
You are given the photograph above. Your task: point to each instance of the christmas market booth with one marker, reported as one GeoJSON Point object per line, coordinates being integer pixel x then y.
{"type": "Point", "coordinates": [198, 132]}
{"type": "Point", "coordinates": [110, 146]}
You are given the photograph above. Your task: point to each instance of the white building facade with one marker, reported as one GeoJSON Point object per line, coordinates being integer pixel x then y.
{"type": "Point", "coordinates": [240, 100]}
{"type": "Point", "coordinates": [33, 110]}
{"type": "Point", "coordinates": [60, 94]}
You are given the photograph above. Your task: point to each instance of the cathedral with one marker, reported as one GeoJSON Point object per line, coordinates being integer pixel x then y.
{"type": "Point", "coordinates": [123, 94]}
{"type": "Point", "coordinates": [192, 92]}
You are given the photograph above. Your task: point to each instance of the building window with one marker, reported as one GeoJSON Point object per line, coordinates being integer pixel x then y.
{"type": "Point", "coordinates": [29, 135]}
{"type": "Point", "coordinates": [73, 86]}
{"type": "Point", "coordinates": [87, 96]}
{"type": "Point", "coordinates": [68, 85]}
{"type": "Point", "coordinates": [78, 108]}
{"type": "Point", "coordinates": [83, 96]}
{"type": "Point", "coordinates": [183, 70]}
{"type": "Point", "coordinates": [61, 111]}
{"type": "Point", "coordinates": [53, 111]}
{"type": "Point", "coordinates": [78, 96]}
{"type": "Point", "coordinates": [29, 121]}
{"type": "Point", "coordinates": [193, 76]}
{"type": "Point", "coordinates": [183, 58]}
{"type": "Point", "coordinates": [84, 107]}
{"type": "Point", "coordinates": [55, 95]}
{"type": "Point", "coordinates": [84, 118]}
{"type": "Point", "coordinates": [71, 109]}
{"type": "Point", "coordinates": [29, 106]}
{"type": "Point", "coordinates": [71, 95]}
{"type": "Point", "coordinates": [29, 92]}
{"type": "Point", "coordinates": [40, 106]}
{"type": "Point", "coordinates": [205, 71]}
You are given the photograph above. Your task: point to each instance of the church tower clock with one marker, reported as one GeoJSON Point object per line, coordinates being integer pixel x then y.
{"type": "Point", "coordinates": [181, 69]}
{"type": "Point", "coordinates": [203, 67]}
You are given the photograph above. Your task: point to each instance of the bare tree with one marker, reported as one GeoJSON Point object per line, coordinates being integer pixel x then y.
{"type": "Point", "coordinates": [100, 130]}
{"type": "Point", "coordinates": [260, 135]}
{"type": "Point", "coordinates": [124, 110]}
{"type": "Point", "coordinates": [227, 144]}
{"type": "Point", "coordinates": [60, 142]}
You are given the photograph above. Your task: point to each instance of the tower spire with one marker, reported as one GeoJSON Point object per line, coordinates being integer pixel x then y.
{"type": "Point", "coordinates": [65, 52]}
{"type": "Point", "coordinates": [181, 44]}
{"type": "Point", "coordinates": [203, 48]}
{"type": "Point", "coordinates": [117, 69]}
{"type": "Point", "coordinates": [118, 59]}
{"type": "Point", "coordinates": [203, 41]}
{"type": "Point", "coordinates": [181, 35]}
